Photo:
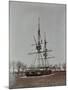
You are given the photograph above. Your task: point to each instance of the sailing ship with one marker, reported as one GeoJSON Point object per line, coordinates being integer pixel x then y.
{"type": "Point", "coordinates": [41, 56]}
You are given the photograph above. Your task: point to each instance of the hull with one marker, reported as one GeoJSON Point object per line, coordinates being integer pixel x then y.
{"type": "Point", "coordinates": [38, 73]}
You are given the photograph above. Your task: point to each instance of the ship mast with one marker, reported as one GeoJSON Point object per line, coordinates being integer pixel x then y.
{"type": "Point", "coordinates": [41, 55]}
{"type": "Point", "coordinates": [45, 50]}
{"type": "Point", "coordinates": [38, 46]}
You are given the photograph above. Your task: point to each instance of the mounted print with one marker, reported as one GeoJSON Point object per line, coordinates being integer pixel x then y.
{"type": "Point", "coordinates": [37, 44]}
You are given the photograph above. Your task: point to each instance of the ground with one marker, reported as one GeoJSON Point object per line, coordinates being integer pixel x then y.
{"type": "Point", "coordinates": [54, 79]}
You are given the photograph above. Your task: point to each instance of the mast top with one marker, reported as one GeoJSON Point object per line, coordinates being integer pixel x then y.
{"type": "Point", "coordinates": [38, 23]}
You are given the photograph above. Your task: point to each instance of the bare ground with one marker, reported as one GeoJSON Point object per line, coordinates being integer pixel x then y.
{"type": "Point", "coordinates": [54, 79]}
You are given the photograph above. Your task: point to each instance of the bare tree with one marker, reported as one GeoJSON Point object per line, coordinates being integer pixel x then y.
{"type": "Point", "coordinates": [59, 67]}
{"type": "Point", "coordinates": [23, 66]}
{"type": "Point", "coordinates": [18, 66]}
{"type": "Point", "coordinates": [55, 67]}
{"type": "Point", "coordinates": [13, 66]}
{"type": "Point", "coordinates": [10, 66]}
{"type": "Point", "coordinates": [64, 66]}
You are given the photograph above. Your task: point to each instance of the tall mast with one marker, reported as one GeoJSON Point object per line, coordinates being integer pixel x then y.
{"type": "Point", "coordinates": [39, 29]}
{"type": "Point", "coordinates": [38, 47]}
{"type": "Point", "coordinates": [45, 49]}
{"type": "Point", "coordinates": [41, 55]}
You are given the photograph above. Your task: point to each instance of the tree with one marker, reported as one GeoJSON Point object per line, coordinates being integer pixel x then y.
{"type": "Point", "coordinates": [55, 67]}
{"type": "Point", "coordinates": [13, 66]}
{"type": "Point", "coordinates": [64, 66]}
{"type": "Point", "coordinates": [18, 66]}
{"type": "Point", "coordinates": [23, 67]}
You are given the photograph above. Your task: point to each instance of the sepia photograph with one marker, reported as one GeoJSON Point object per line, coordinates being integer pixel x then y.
{"type": "Point", "coordinates": [37, 44]}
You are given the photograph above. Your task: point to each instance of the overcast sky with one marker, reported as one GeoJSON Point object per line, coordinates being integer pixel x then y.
{"type": "Point", "coordinates": [24, 24]}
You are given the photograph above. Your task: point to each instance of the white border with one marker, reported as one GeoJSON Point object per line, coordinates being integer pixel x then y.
{"type": "Point", "coordinates": [4, 44]}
